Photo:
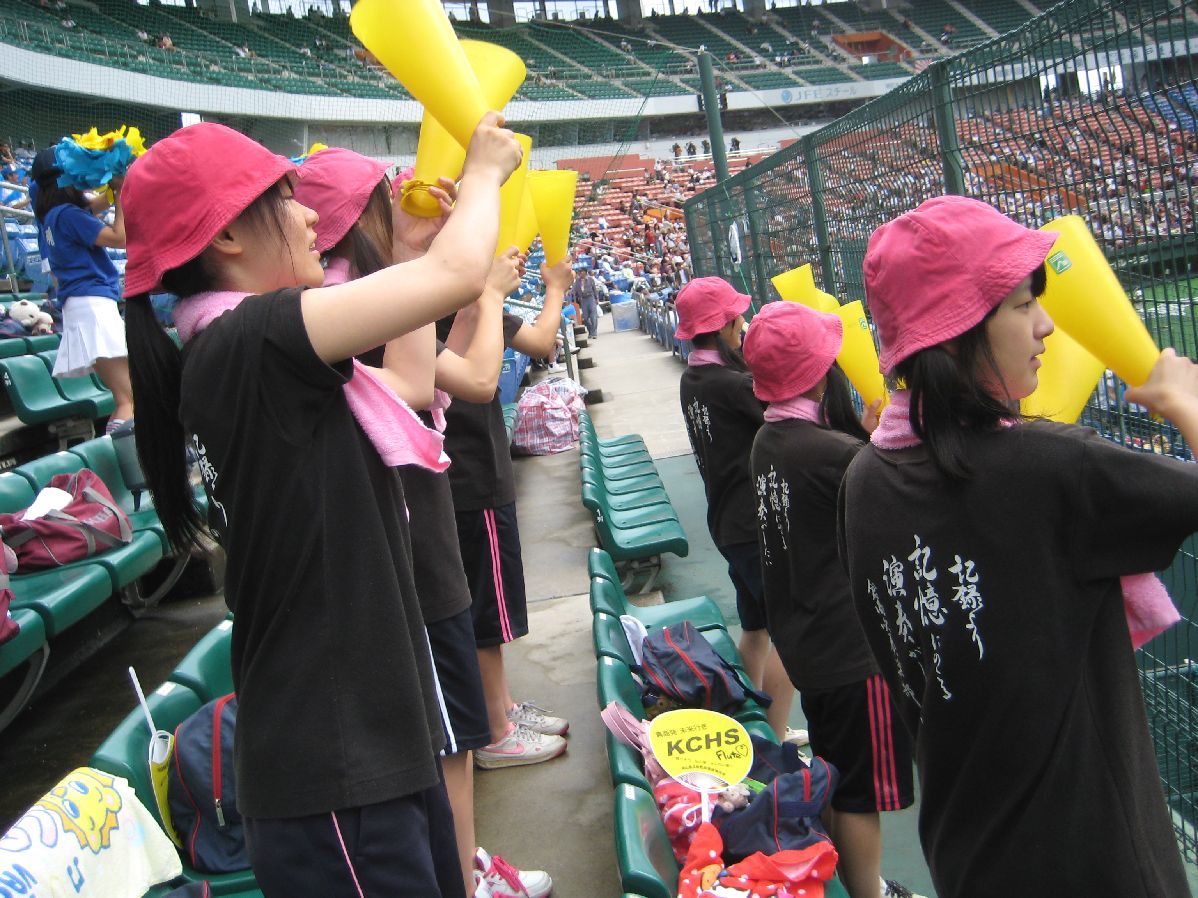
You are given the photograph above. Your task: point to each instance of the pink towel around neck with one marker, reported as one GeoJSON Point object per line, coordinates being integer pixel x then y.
{"type": "Point", "coordinates": [797, 407]}
{"type": "Point", "coordinates": [395, 430]}
{"type": "Point", "coordinates": [704, 357]}
{"type": "Point", "coordinates": [1146, 603]}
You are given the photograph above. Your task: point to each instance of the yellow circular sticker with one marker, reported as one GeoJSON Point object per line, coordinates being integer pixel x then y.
{"type": "Point", "coordinates": [703, 749]}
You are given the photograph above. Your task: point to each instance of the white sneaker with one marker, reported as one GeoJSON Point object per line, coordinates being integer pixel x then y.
{"type": "Point", "coordinates": [520, 746]}
{"type": "Point", "coordinates": [537, 719]}
{"type": "Point", "coordinates": [496, 878]}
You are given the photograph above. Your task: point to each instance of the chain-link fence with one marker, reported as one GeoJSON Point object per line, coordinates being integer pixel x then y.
{"type": "Point", "coordinates": [1088, 109]}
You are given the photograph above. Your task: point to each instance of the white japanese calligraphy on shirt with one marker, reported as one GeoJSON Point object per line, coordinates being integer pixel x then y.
{"type": "Point", "coordinates": [936, 618]}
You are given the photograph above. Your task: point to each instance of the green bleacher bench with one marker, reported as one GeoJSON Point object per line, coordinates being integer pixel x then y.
{"type": "Point", "coordinates": [29, 649]}
{"type": "Point", "coordinates": [41, 343]}
{"type": "Point", "coordinates": [62, 596]}
{"type": "Point", "coordinates": [82, 389]}
{"type": "Point", "coordinates": [12, 346]}
{"type": "Point", "coordinates": [207, 669]}
{"type": "Point", "coordinates": [637, 543]}
{"type": "Point", "coordinates": [651, 495]}
{"type": "Point", "coordinates": [124, 754]}
{"type": "Point", "coordinates": [33, 395]}
{"type": "Point", "coordinates": [593, 471]}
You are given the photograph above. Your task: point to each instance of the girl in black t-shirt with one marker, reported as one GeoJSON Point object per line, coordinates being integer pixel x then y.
{"type": "Point", "coordinates": [811, 434]}
{"type": "Point", "coordinates": [722, 416]}
{"type": "Point", "coordinates": [361, 230]}
{"type": "Point", "coordinates": [338, 721]}
{"type": "Point", "coordinates": [998, 569]}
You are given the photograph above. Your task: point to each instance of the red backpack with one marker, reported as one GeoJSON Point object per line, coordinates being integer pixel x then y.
{"type": "Point", "coordinates": [89, 523]}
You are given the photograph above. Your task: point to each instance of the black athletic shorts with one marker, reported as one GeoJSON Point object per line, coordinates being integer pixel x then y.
{"type": "Point", "coordinates": [463, 705]}
{"type": "Point", "coordinates": [744, 569]}
{"type": "Point", "coordinates": [404, 846]}
{"type": "Point", "coordinates": [490, 541]}
{"type": "Point", "coordinates": [855, 728]}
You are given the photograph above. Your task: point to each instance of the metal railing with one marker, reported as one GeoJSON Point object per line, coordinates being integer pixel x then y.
{"type": "Point", "coordinates": [1088, 109]}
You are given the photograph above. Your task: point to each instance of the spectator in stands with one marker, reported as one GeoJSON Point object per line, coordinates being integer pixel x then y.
{"type": "Point", "coordinates": [67, 22]}
{"type": "Point", "coordinates": [165, 42]}
{"type": "Point", "coordinates": [677, 150]}
{"type": "Point", "coordinates": [706, 144]}
{"type": "Point", "coordinates": [976, 589]}
{"type": "Point", "coordinates": [811, 434]}
{"type": "Point", "coordinates": [625, 46]}
{"type": "Point", "coordinates": [690, 148]}
{"type": "Point", "coordinates": [310, 511]}
{"type": "Point", "coordinates": [722, 417]}
{"type": "Point", "coordinates": [93, 334]}
{"type": "Point", "coordinates": [359, 233]}
{"type": "Point", "coordinates": [734, 145]}
{"type": "Point", "coordinates": [143, 36]}
{"type": "Point", "coordinates": [585, 291]}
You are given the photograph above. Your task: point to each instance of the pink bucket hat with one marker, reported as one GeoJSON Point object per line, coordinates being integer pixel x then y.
{"type": "Point", "coordinates": [789, 347]}
{"type": "Point", "coordinates": [707, 304]}
{"type": "Point", "coordinates": [183, 191]}
{"type": "Point", "coordinates": [337, 184]}
{"type": "Point", "coordinates": [934, 273]}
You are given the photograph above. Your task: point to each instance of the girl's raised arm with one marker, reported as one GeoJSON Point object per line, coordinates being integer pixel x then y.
{"type": "Point", "coordinates": [351, 318]}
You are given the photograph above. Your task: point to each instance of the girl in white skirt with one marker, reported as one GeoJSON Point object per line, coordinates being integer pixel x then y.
{"type": "Point", "coordinates": [93, 332]}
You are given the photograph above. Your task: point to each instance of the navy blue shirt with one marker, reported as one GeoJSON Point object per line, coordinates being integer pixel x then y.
{"type": "Point", "coordinates": [82, 268]}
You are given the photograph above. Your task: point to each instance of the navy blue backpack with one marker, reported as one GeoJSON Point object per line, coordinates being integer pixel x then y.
{"type": "Point", "coordinates": [201, 791]}
{"type": "Point", "coordinates": [679, 665]}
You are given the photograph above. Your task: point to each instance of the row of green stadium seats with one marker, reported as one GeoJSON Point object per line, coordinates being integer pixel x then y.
{"type": "Point", "coordinates": [48, 603]}
{"type": "Point", "coordinates": [621, 488]}
{"type": "Point", "coordinates": [39, 398]}
{"type": "Point", "coordinates": [643, 852]}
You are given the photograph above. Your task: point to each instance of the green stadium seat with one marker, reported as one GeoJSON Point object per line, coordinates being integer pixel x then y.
{"type": "Point", "coordinates": [608, 597]}
{"type": "Point", "coordinates": [27, 650]}
{"type": "Point", "coordinates": [42, 343]}
{"type": "Point", "coordinates": [63, 596]}
{"type": "Point", "coordinates": [125, 564]}
{"type": "Point", "coordinates": [81, 389]}
{"type": "Point", "coordinates": [594, 499]}
{"type": "Point", "coordinates": [33, 395]}
{"type": "Point", "coordinates": [100, 456]}
{"type": "Point", "coordinates": [124, 754]}
{"type": "Point", "coordinates": [12, 346]}
{"type": "Point", "coordinates": [643, 851]}
{"type": "Point", "coordinates": [207, 669]}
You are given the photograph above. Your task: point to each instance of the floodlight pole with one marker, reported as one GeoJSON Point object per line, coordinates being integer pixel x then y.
{"type": "Point", "coordinates": [711, 105]}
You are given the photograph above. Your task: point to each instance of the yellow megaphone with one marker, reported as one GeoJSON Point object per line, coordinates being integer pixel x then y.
{"type": "Point", "coordinates": [1086, 300]}
{"type": "Point", "coordinates": [499, 72]}
{"type": "Point", "coordinates": [1067, 377]}
{"type": "Point", "coordinates": [415, 41]}
{"type": "Point", "coordinates": [795, 284]}
{"type": "Point", "coordinates": [858, 357]}
{"type": "Point", "coordinates": [526, 221]}
{"type": "Point", "coordinates": [823, 302]}
{"type": "Point", "coordinates": [552, 195]}
{"type": "Point", "coordinates": [511, 195]}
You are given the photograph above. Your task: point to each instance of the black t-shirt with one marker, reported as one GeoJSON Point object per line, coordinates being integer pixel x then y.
{"type": "Point", "coordinates": [436, 555]}
{"type": "Point", "coordinates": [476, 441]}
{"type": "Point", "coordinates": [797, 468]}
{"type": "Point", "coordinates": [995, 612]}
{"type": "Point", "coordinates": [722, 416]}
{"type": "Point", "coordinates": [337, 705]}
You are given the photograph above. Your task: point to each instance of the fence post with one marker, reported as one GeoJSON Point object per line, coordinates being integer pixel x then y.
{"type": "Point", "coordinates": [819, 219]}
{"type": "Point", "coordinates": [946, 128]}
{"type": "Point", "coordinates": [760, 291]}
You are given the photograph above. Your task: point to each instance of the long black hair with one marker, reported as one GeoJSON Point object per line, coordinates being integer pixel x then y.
{"type": "Point", "coordinates": [836, 407]}
{"type": "Point", "coordinates": [732, 358]}
{"type": "Point", "coordinates": [50, 195]}
{"type": "Point", "coordinates": [156, 373]}
{"type": "Point", "coordinates": [360, 245]}
{"type": "Point", "coordinates": [948, 393]}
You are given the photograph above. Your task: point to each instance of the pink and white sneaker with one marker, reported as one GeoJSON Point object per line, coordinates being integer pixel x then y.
{"type": "Point", "coordinates": [496, 878]}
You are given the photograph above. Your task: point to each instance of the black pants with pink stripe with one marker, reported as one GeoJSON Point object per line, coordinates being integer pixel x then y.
{"type": "Point", "coordinates": [405, 846]}
{"type": "Point", "coordinates": [854, 728]}
{"type": "Point", "coordinates": [490, 541]}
